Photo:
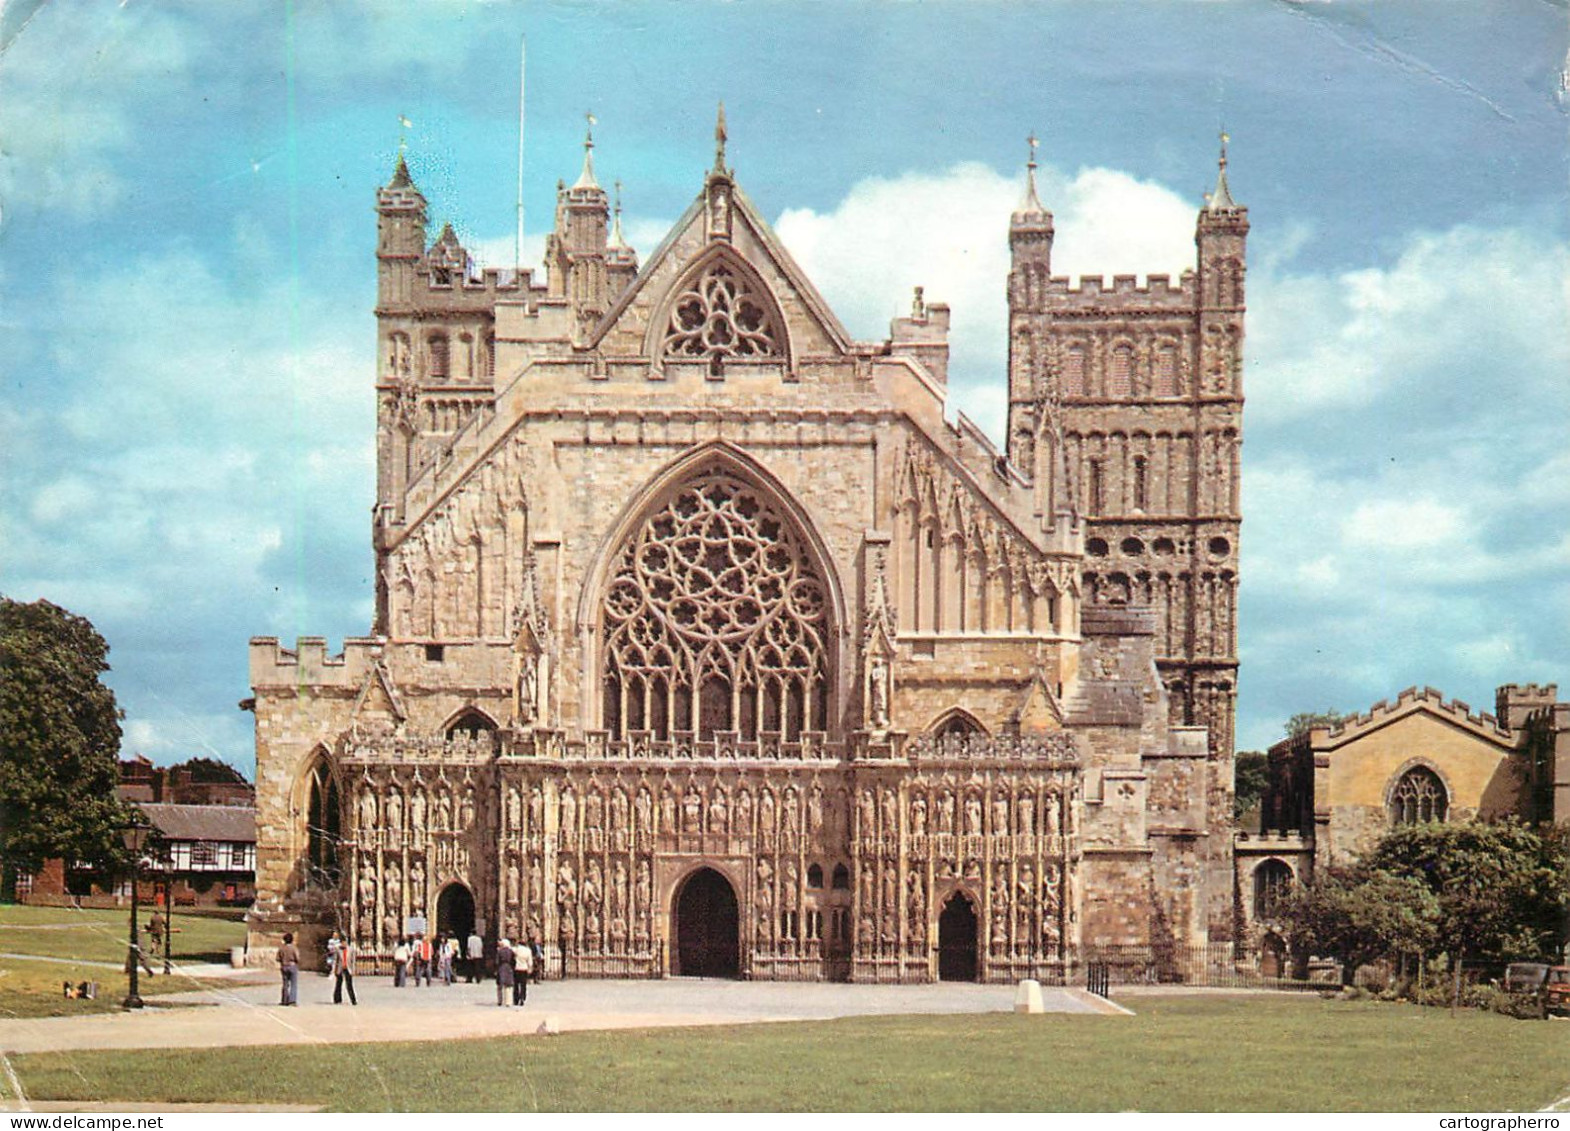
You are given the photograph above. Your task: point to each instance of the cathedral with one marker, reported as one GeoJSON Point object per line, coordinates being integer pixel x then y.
{"type": "Point", "coordinates": [708, 641]}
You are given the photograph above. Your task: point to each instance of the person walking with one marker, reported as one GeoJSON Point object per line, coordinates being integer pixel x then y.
{"type": "Point", "coordinates": [525, 965]}
{"type": "Point", "coordinates": [506, 974]}
{"type": "Point", "coordinates": [476, 949]}
{"type": "Point", "coordinates": [422, 963]}
{"type": "Point", "coordinates": [289, 967]}
{"type": "Point", "coordinates": [539, 961]}
{"type": "Point", "coordinates": [449, 957]}
{"type": "Point", "coordinates": [400, 962]}
{"type": "Point", "coordinates": [333, 943]}
{"type": "Point", "coordinates": [343, 972]}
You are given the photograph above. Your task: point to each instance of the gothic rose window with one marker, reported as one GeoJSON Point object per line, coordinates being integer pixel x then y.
{"type": "Point", "coordinates": [716, 620]}
{"type": "Point", "coordinates": [1419, 797]}
{"type": "Point", "coordinates": [719, 315]}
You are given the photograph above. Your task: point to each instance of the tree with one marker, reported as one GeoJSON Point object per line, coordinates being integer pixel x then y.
{"type": "Point", "coordinates": [1250, 776]}
{"type": "Point", "coordinates": [1500, 886]}
{"type": "Point", "coordinates": [210, 770]}
{"type": "Point", "coordinates": [1360, 914]}
{"type": "Point", "coordinates": [1305, 721]}
{"type": "Point", "coordinates": [59, 742]}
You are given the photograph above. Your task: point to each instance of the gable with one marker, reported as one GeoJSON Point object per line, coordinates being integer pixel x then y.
{"type": "Point", "coordinates": [722, 227]}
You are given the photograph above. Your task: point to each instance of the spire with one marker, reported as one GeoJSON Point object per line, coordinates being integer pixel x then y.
{"type": "Point", "coordinates": [1221, 200]}
{"type": "Point", "coordinates": [586, 178]}
{"type": "Point", "coordinates": [719, 140]}
{"type": "Point", "coordinates": [617, 240]}
{"type": "Point", "coordinates": [401, 178]}
{"type": "Point", "coordinates": [1032, 202]}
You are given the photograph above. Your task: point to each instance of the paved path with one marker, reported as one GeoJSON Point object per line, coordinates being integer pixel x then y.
{"type": "Point", "coordinates": [247, 1013]}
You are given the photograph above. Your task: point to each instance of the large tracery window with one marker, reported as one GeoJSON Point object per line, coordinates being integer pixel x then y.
{"type": "Point", "coordinates": [1419, 797]}
{"type": "Point", "coordinates": [719, 314]}
{"type": "Point", "coordinates": [716, 620]}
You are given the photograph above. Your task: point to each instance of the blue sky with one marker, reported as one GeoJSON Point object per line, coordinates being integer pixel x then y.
{"type": "Point", "coordinates": [187, 275]}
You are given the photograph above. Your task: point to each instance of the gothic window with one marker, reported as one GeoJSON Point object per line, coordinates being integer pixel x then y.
{"type": "Point", "coordinates": [471, 724]}
{"type": "Point", "coordinates": [488, 356]}
{"type": "Point", "coordinates": [841, 880]}
{"type": "Point", "coordinates": [1141, 481]}
{"type": "Point", "coordinates": [323, 826]}
{"type": "Point", "coordinates": [957, 724]}
{"type": "Point", "coordinates": [719, 314]}
{"type": "Point", "coordinates": [815, 876]}
{"type": "Point", "coordinates": [716, 619]}
{"type": "Point", "coordinates": [1272, 884]}
{"type": "Point", "coordinates": [436, 347]}
{"type": "Point", "coordinates": [1120, 377]}
{"type": "Point", "coordinates": [1419, 797]}
{"type": "Point", "coordinates": [1074, 372]}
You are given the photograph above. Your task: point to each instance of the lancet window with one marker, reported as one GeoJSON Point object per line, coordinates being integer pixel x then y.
{"type": "Point", "coordinates": [1418, 797]}
{"type": "Point", "coordinates": [323, 825]}
{"type": "Point", "coordinates": [716, 620]}
{"type": "Point", "coordinates": [720, 314]}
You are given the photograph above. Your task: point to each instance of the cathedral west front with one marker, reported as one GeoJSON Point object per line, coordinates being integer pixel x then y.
{"type": "Point", "coordinates": [706, 642]}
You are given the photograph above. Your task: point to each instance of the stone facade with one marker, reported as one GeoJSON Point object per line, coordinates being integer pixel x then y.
{"type": "Point", "coordinates": [704, 643]}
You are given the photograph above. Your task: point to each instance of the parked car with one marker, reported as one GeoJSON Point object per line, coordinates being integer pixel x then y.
{"type": "Point", "coordinates": [1556, 990]}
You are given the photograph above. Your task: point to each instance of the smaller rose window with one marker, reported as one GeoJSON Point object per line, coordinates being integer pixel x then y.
{"type": "Point", "coordinates": [718, 314]}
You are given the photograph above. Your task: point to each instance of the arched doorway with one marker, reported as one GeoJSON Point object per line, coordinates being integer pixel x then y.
{"type": "Point", "coordinates": [957, 940]}
{"type": "Point", "coordinates": [455, 912]}
{"type": "Point", "coordinates": [708, 928]}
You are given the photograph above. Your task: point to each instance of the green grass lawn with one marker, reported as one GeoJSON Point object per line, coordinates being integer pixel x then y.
{"type": "Point", "coordinates": [81, 938]}
{"type": "Point", "coordinates": [100, 935]}
{"type": "Point", "coordinates": [1179, 1054]}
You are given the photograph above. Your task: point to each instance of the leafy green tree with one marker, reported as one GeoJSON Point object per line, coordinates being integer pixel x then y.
{"type": "Point", "coordinates": [1500, 887]}
{"type": "Point", "coordinates": [1250, 776]}
{"type": "Point", "coordinates": [1305, 721]}
{"type": "Point", "coordinates": [1360, 914]}
{"type": "Point", "coordinates": [210, 770]}
{"type": "Point", "coordinates": [59, 742]}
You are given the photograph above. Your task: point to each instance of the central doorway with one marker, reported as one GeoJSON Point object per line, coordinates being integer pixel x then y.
{"type": "Point", "coordinates": [455, 912]}
{"type": "Point", "coordinates": [708, 928]}
{"type": "Point", "coordinates": [957, 940]}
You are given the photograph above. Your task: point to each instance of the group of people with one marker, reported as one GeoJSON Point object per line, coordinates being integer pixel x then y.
{"type": "Point", "coordinates": [516, 965]}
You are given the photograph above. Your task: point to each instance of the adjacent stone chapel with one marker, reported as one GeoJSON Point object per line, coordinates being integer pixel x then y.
{"type": "Point", "coordinates": [705, 642]}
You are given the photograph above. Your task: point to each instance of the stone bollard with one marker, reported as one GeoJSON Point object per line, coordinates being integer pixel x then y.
{"type": "Point", "coordinates": [550, 1027]}
{"type": "Point", "coordinates": [1027, 999]}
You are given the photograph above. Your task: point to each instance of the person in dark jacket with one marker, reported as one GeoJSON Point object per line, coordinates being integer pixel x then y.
{"type": "Point", "coordinates": [506, 973]}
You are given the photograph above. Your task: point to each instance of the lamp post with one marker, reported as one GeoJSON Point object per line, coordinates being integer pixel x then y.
{"type": "Point", "coordinates": [135, 836]}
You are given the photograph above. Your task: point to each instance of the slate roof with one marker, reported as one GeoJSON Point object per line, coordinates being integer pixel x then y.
{"type": "Point", "coordinates": [230, 823]}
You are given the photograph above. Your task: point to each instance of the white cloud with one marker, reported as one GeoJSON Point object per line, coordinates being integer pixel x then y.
{"type": "Point", "coordinates": [1403, 524]}
{"type": "Point", "coordinates": [948, 232]}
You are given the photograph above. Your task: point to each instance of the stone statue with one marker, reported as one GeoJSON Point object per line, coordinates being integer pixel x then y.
{"type": "Point", "coordinates": [790, 890]}
{"type": "Point", "coordinates": [815, 809]}
{"type": "Point", "coordinates": [593, 883]}
{"type": "Point", "coordinates": [594, 818]}
{"type": "Point", "coordinates": [1025, 815]}
{"type": "Point", "coordinates": [569, 815]}
{"type": "Point", "coordinates": [878, 693]}
{"type": "Point", "coordinates": [392, 887]}
{"type": "Point", "coordinates": [765, 884]}
{"type": "Point", "coordinates": [417, 883]}
{"type": "Point", "coordinates": [1000, 813]}
{"type": "Point", "coordinates": [536, 810]}
{"type": "Point", "coordinates": [890, 888]}
{"type": "Point", "coordinates": [890, 814]}
{"type": "Point", "coordinates": [743, 811]}
{"type": "Point", "coordinates": [643, 890]}
{"type": "Point", "coordinates": [916, 906]}
{"type": "Point", "coordinates": [619, 889]}
{"type": "Point", "coordinates": [514, 880]}
{"type": "Point", "coordinates": [566, 885]}
{"type": "Point", "coordinates": [719, 811]}
{"type": "Point", "coordinates": [644, 807]}
{"type": "Point", "coordinates": [536, 882]}
{"type": "Point", "coordinates": [514, 808]}
{"type": "Point", "coordinates": [668, 810]}
{"type": "Point", "coordinates": [946, 812]}
{"type": "Point", "coordinates": [766, 814]}
{"type": "Point", "coordinates": [792, 812]}
{"type": "Point", "coordinates": [394, 810]}
{"type": "Point", "coordinates": [918, 815]}
{"type": "Point", "coordinates": [691, 810]}
{"type": "Point", "coordinates": [972, 815]}
{"type": "Point", "coordinates": [620, 826]}
{"type": "Point", "coordinates": [417, 811]}
{"type": "Point", "coordinates": [444, 810]}
{"type": "Point", "coordinates": [865, 815]}
{"type": "Point", "coordinates": [466, 812]}
{"type": "Point", "coordinates": [367, 813]}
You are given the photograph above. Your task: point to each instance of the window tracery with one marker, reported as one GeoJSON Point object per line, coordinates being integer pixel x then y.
{"type": "Point", "coordinates": [323, 826]}
{"type": "Point", "coordinates": [1419, 797]}
{"type": "Point", "coordinates": [716, 619]}
{"type": "Point", "coordinates": [719, 314]}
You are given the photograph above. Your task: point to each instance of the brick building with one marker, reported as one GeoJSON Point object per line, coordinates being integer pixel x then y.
{"type": "Point", "coordinates": [706, 644]}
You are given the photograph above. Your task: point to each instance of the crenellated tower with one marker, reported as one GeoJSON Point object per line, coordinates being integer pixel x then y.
{"type": "Point", "coordinates": [1126, 408]}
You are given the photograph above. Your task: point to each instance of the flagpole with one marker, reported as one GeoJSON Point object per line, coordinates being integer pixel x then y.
{"type": "Point", "coordinates": [517, 254]}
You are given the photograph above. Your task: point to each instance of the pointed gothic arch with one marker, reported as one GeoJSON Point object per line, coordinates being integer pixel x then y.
{"type": "Point", "coordinates": [956, 722]}
{"type": "Point", "coordinates": [471, 721]}
{"type": "Point", "coordinates": [322, 812]}
{"type": "Point", "coordinates": [719, 309]}
{"type": "Point", "coordinates": [715, 609]}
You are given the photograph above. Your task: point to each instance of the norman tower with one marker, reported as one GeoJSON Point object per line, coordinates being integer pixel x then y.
{"type": "Point", "coordinates": [1126, 407]}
